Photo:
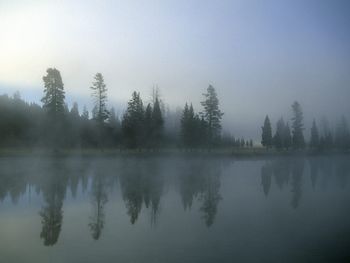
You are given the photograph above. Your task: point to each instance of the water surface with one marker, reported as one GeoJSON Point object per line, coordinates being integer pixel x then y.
{"type": "Point", "coordinates": [181, 209]}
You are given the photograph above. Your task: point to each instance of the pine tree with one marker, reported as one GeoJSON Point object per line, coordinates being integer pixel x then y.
{"type": "Point", "coordinates": [148, 126]}
{"type": "Point", "coordinates": [266, 136]}
{"type": "Point", "coordinates": [212, 115]}
{"type": "Point", "coordinates": [287, 137]}
{"type": "Point", "coordinates": [157, 124]}
{"type": "Point", "coordinates": [133, 122]}
{"type": "Point", "coordinates": [85, 114]}
{"type": "Point", "coordinates": [53, 100]}
{"type": "Point", "coordinates": [314, 139]}
{"type": "Point", "coordinates": [297, 126]}
{"type": "Point", "coordinates": [279, 137]}
{"type": "Point", "coordinates": [186, 123]}
{"type": "Point", "coordinates": [113, 127]}
{"type": "Point", "coordinates": [99, 94]}
{"type": "Point", "coordinates": [74, 112]}
{"type": "Point", "coordinates": [54, 106]}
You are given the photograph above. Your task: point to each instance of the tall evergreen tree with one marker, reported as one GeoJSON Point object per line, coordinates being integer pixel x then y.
{"type": "Point", "coordinates": [212, 114]}
{"type": "Point", "coordinates": [186, 119]}
{"type": "Point", "coordinates": [315, 138]}
{"type": "Point", "coordinates": [75, 110]}
{"type": "Point", "coordinates": [157, 124]}
{"type": "Point", "coordinates": [133, 122]}
{"type": "Point", "coordinates": [266, 136]}
{"type": "Point", "coordinates": [279, 137]}
{"type": "Point", "coordinates": [85, 114]}
{"type": "Point", "coordinates": [54, 95]}
{"type": "Point", "coordinates": [297, 126]}
{"type": "Point", "coordinates": [54, 106]}
{"type": "Point", "coordinates": [99, 94]}
{"type": "Point", "coordinates": [148, 126]}
{"type": "Point", "coordinates": [113, 127]}
{"type": "Point", "coordinates": [287, 137]}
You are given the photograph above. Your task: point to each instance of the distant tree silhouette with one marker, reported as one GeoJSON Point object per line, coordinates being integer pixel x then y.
{"type": "Point", "coordinates": [114, 128]}
{"type": "Point", "coordinates": [297, 126]}
{"type": "Point", "coordinates": [85, 114]}
{"type": "Point", "coordinates": [54, 106]}
{"type": "Point", "coordinates": [212, 115]}
{"type": "Point", "coordinates": [133, 122]}
{"type": "Point", "coordinates": [287, 137]}
{"type": "Point", "coordinates": [99, 95]}
{"type": "Point", "coordinates": [54, 95]}
{"type": "Point", "coordinates": [280, 135]}
{"type": "Point", "coordinates": [157, 124]}
{"type": "Point", "coordinates": [314, 139]}
{"type": "Point", "coordinates": [266, 136]}
{"type": "Point", "coordinates": [187, 126]}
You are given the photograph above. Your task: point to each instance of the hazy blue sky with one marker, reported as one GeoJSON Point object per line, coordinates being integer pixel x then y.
{"type": "Point", "coordinates": [260, 55]}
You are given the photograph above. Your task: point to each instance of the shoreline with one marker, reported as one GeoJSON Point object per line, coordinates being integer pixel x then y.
{"type": "Point", "coordinates": [166, 152]}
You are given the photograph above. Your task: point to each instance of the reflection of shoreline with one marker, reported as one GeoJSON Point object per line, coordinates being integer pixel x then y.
{"type": "Point", "coordinates": [281, 170]}
{"type": "Point", "coordinates": [142, 184]}
{"type": "Point", "coordinates": [291, 171]}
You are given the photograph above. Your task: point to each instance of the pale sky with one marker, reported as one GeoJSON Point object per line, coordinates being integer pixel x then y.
{"type": "Point", "coordinates": [260, 55]}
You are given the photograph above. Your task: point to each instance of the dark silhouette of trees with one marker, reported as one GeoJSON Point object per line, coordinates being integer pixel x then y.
{"type": "Point", "coordinates": [54, 106]}
{"type": "Point", "coordinates": [279, 137]}
{"type": "Point", "coordinates": [55, 125]}
{"type": "Point", "coordinates": [133, 122]}
{"type": "Point", "coordinates": [287, 137]}
{"type": "Point", "coordinates": [54, 95]}
{"type": "Point", "coordinates": [99, 95]}
{"type": "Point", "coordinates": [157, 124]}
{"type": "Point", "coordinates": [212, 115]}
{"type": "Point", "coordinates": [282, 138]}
{"type": "Point", "coordinates": [266, 136]}
{"type": "Point", "coordinates": [188, 126]}
{"type": "Point", "coordinates": [297, 126]}
{"type": "Point", "coordinates": [315, 138]}
{"type": "Point", "coordinates": [194, 129]}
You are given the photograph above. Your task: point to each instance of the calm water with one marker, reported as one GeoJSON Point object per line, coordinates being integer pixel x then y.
{"type": "Point", "coordinates": [133, 209]}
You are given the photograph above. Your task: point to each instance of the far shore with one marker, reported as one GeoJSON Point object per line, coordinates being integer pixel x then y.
{"type": "Point", "coordinates": [219, 152]}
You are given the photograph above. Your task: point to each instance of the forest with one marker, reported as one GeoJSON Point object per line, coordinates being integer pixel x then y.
{"type": "Point", "coordinates": [148, 127]}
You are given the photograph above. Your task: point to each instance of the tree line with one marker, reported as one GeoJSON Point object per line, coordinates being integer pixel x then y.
{"type": "Point", "coordinates": [286, 138]}
{"type": "Point", "coordinates": [144, 125]}
{"type": "Point", "coordinates": [141, 126]}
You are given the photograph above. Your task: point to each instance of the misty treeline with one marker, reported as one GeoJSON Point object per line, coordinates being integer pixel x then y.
{"type": "Point", "coordinates": [141, 126]}
{"type": "Point", "coordinates": [286, 137]}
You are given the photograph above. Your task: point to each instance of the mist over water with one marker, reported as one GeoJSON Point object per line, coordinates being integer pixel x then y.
{"type": "Point", "coordinates": [179, 209]}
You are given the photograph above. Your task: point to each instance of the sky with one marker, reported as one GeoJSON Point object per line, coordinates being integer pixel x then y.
{"type": "Point", "coordinates": [260, 55]}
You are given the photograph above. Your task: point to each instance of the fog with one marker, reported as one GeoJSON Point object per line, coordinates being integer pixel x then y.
{"type": "Point", "coordinates": [260, 57]}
